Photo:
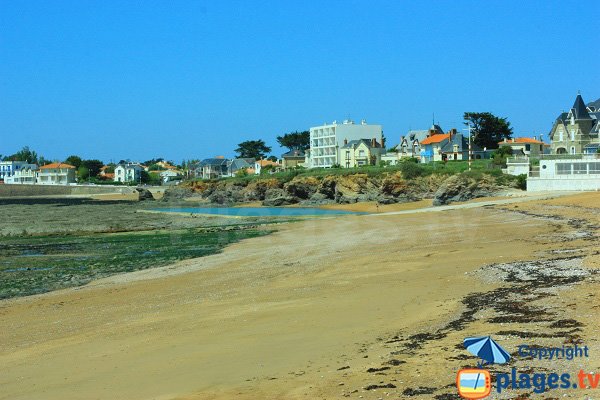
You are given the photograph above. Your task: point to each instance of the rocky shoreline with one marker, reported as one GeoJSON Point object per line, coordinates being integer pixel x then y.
{"type": "Point", "coordinates": [390, 188]}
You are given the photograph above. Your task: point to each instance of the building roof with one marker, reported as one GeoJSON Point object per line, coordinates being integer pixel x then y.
{"type": "Point", "coordinates": [293, 153]}
{"type": "Point", "coordinates": [56, 166]}
{"type": "Point", "coordinates": [264, 163]}
{"type": "Point", "coordinates": [579, 109]}
{"type": "Point", "coordinates": [435, 138]}
{"type": "Point", "coordinates": [241, 163]}
{"type": "Point", "coordinates": [521, 140]}
{"type": "Point", "coordinates": [354, 143]}
{"type": "Point", "coordinates": [214, 162]}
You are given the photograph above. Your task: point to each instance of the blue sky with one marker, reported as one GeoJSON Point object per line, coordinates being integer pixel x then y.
{"type": "Point", "coordinates": [191, 79]}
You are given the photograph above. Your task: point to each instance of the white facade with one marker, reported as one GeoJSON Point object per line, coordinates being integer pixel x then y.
{"type": "Point", "coordinates": [56, 174]}
{"type": "Point", "coordinates": [26, 174]}
{"type": "Point", "coordinates": [577, 174]}
{"type": "Point", "coordinates": [8, 168]}
{"type": "Point", "coordinates": [128, 173]}
{"type": "Point", "coordinates": [325, 141]}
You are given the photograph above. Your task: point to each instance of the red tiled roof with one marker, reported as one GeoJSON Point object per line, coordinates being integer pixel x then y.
{"type": "Point", "coordinates": [520, 140]}
{"type": "Point", "coordinates": [56, 165]}
{"type": "Point", "coordinates": [436, 138]}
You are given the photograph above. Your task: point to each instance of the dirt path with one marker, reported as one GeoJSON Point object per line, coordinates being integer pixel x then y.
{"type": "Point", "coordinates": [303, 313]}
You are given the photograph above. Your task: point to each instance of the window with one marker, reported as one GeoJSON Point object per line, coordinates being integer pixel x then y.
{"type": "Point", "coordinates": [361, 153]}
{"type": "Point", "coordinates": [594, 168]}
{"type": "Point", "coordinates": [527, 147]}
{"type": "Point", "coordinates": [347, 154]}
{"type": "Point", "coordinates": [580, 168]}
{"type": "Point", "coordinates": [560, 136]}
{"type": "Point", "coordinates": [572, 134]}
{"type": "Point", "coordinates": [563, 169]}
{"type": "Point", "coordinates": [572, 149]}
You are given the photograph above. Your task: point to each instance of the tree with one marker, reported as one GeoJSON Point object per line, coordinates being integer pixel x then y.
{"type": "Point", "coordinates": [272, 158]}
{"type": "Point", "coordinates": [74, 161]}
{"type": "Point", "coordinates": [83, 173]}
{"type": "Point", "coordinates": [256, 149]}
{"type": "Point", "coordinates": [488, 130]}
{"type": "Point", "coordinates": [25, 154]}
{"type": "Point", "coordinates": [93, 166]}
{"type": "Point", "coordinates": [295, 140]}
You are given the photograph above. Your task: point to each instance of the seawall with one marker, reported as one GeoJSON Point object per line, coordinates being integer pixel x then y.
{"type": "Point", "coordinates": [61, 190]}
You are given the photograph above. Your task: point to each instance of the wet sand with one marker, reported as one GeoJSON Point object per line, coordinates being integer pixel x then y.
{"type": "Point", "coordinates": [330, 308]}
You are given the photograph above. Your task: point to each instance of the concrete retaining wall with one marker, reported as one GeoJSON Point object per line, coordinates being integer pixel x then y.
{"type": "Point", "coordinates": [60, 190]}
{"type": "Point", "coordinates": [570, 184]}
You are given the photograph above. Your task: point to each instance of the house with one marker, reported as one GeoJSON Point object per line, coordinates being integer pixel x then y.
{"type": "Point", "coordinates": [576, 131]}
{"type": "Point", "coordinates": [8, 168]}
{"type": "Point", "coordinates": [525, 147]}
{"type": "Point", "coordinates": [449, 146]}
{"type": "Point", "coordinates": [326, 140]}
{"type": "Point", "coordinates": [128, 172]}
{"type": "Point", "coordinates": [56, 174]}
{"type": "Point", "coordinates": [170, 175]}
{"type": "Point", "coordinates": [292, 159]}
{"type": "Point", "coordinates": [577, 173]}
{"type": "Point", "coordinates": [213, 168]}
{"type": "Point", "coordinates": [361, 152]}
{"type": "Point", "coordinates": [260, 165]}
{"type": "Point", "coordinates": [410, 144]}
{"type": "Point", "coordinates": [25, 174]}
{"type": "Point", "coordinates": [240, 164]}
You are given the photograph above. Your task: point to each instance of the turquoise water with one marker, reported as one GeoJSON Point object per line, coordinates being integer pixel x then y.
{"type": "Point", "coordinates": [258, 211]}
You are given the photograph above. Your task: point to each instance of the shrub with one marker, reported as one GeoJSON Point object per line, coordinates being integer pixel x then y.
{"type": "Point", "coordinates": [522, 182]}
{"type": "Point", "coordinates": [410, 170]}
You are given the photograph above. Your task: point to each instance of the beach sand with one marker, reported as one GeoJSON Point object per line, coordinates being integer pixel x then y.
{"type": "Point", "coordinates": [369, 306]}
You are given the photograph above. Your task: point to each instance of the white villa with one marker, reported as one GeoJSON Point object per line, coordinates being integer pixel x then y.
{"type": "Point", "coordinates": [56, 174]}
{"type": "Point", "coordinates": [26, 174]}
{"type": "Point", "coordinates": [326, 141]}
{"type": "Point", "coordinates": [129, 172]}
{"type": "Point", "coordinates": [8, 168]}
{"type": "Point", "coordinates": [572, 174]}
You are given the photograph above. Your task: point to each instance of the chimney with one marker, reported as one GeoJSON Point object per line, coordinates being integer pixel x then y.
{"type": "Point", "coordinates": [383, 143]}
{"type": "Point", "coordinates": [504, 140]}
{"type": "Point", "coordinates": [345, 142]}
{"type": "Point", "coordinates": [373, 142]}
{"type": "Point", "coordinates": [513, 140]}
{"type": "Point", "coordinates": [535, 138]}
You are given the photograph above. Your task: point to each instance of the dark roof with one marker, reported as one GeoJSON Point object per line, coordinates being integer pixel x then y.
{"type": "Point", "coordinates": [214, 162]}
{"type": "Point", "coordinates": [462, 143]}
{"type": "Point", "coordinates": [240, 163]}
{"type": "Point", "coordinates": [354, 143]}
{"type": "Point", "coordinates": [293, 153]}
{"type": "Point", "coordinates": [579, 109]}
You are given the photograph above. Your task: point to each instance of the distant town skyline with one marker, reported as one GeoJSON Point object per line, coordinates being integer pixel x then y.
{"type": "Point", "coordinates": [123, 80]}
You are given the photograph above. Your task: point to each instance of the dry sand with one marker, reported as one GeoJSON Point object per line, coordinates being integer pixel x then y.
{"type": "Point", "coordinates": [282, 316]}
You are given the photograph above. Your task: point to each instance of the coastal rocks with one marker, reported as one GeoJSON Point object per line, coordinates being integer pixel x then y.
{"type": "Point", "coordinates": [144, 194]}
{"type": "Point", "coordinates": [355, 188]}
{"type": "Point", "coordinates": [463, 188]}
{"type": "Point", "coordinates": [278, 197]}
{"type": "Point", "coordinates": [302, 187]}
{"type": "Point", "coordinates": [177, 193]}
{"type": "Point", "coordinates": [256, 190]}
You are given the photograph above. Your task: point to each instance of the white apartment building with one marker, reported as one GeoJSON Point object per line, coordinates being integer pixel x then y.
{"type": "Point", "coordinates": [326, 140]}
{"type": "Point", "coordinates": [8, 168]}
{"type": "Point", "coordinates": [26, 174]}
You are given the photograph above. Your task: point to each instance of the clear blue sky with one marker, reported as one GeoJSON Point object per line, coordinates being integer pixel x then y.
{"type": "Point", "coordinates": [191, 79]}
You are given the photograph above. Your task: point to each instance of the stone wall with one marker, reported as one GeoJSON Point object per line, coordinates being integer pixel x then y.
{"type": "Point", "coordinates": [60, 190]}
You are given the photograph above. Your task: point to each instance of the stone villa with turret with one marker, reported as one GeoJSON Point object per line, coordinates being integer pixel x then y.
{"type": "Point", "coordinates": [576, 131]}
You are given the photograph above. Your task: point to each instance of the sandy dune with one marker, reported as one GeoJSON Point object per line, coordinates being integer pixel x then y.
{"type": "Point", "coordinates": [276, 317]}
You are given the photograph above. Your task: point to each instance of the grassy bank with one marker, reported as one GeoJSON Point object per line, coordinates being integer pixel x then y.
{"type": "Point", "coordinates": [32, 265]}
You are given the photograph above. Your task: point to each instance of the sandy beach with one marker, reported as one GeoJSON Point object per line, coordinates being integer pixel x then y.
{"type": "Point", "coordinates": [348, 307]}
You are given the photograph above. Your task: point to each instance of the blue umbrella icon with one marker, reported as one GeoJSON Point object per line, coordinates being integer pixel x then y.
{"type": "Point", "coordinates": [487, 349]}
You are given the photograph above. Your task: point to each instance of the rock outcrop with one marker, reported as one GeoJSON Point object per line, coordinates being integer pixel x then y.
{"type": "Point", "coordinates": [386, 188]}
